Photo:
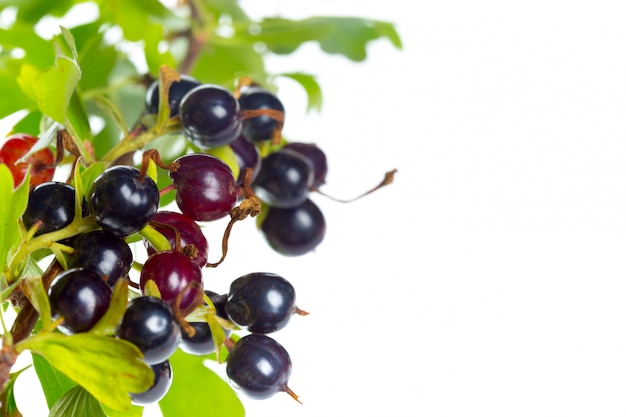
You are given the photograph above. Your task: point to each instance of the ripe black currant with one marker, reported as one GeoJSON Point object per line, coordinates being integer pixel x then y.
{"type": "Point", "coordinates": [104, 253]}
{"type": "Point", "coordinates": [284, 179]}
{"type": "Point", "coordinates": [261, 302]}
{"type": "Point", "coordinates": [259, 366]}
{"type": "Point", "coordinates": [210, 116]}
{"type": "Point", "coordinates": [175, 94]}
{"type": "Point", "coordinates": [51, 206]}
{"type": "Point", "coordinates": [149, 324]}
{"type": "Point", "coordinates": [123, 201]}
{"type": "Point", "coordinates": [263, 127]}
{"type": "Point", "coordinates": [81, 297]}
{"type": "Point", "coordinates": [296, 230]}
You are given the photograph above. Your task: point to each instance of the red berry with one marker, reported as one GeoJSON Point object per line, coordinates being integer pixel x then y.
{"type": "Point", "coordinates": [41, 162]}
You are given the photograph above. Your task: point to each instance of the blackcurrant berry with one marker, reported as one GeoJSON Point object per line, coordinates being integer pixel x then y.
{"type": "Point", "coordinates": [175, 226]}
{"type": "Point", "coordinates": [316, 156]}
{"type": "Point", "coordinates": [81, 297]}
{"type": "Point", "coordinates": [205, 187]}
{"type": "Point", "coordinates": [296, 230]}
{"type": "Point", "coordinates": [173, 273]}
{"type": "Point", "coordinates": [261, 302]}
{"type": "Point", "coordinates": [259, 128]}
{"type": "Point", "coordinates": [259, 366]}
{"type": "Point", "coordinates": [162, 382]}
{"type": "Point", "coordinates": [284, 179]}
{"type": "Point", "coordinates": [149, 324]}
{"type": "Point", "coordinates": [51, 206]}
{"type": "Point", "coordinates": [104, 253]}
{"type": "Point", "coordinates": [122, 201]}
{"type": "Point", "coordinates": [176, 92]}
{"type": "Point", "coordinates": [210, 116]}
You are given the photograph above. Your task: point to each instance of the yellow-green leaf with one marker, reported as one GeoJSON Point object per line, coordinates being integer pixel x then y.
{"type": "Point", "coordinates": [107, 367]}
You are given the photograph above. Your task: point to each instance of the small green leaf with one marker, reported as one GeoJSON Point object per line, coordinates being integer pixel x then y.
{"type": "Point", "coordinates": [156, 238]}
{"type": "Point", "coordinates": [37, 295]}
{"type": "Point", "coordinates": [53, 382]}
{"type": "Point", "coordinates": [13, 205]}
{"type": "Point", "coordinates": [54, 88]}
{"type": "Point", "coordinates": [119, 299]}
{"type": "Point", "coordinates": [77, 402]}
{"type": "Point", "coordinates": [213, 397]}
{"type": "Point", "coordinates": [8, 405]}
{"type": "Point", "coordinates": [107, 367]}
{"type": "Point", "coordinates": [311, 87]}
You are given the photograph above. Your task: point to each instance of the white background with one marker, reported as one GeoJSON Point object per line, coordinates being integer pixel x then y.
{"type": "Point", "coordinates": [489, 279]}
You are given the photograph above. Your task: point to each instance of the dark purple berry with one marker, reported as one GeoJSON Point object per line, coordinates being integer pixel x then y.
{"type": "Point", "coordinates": [177, 90]}
{"type": "Point", "coordinates": [259, 366]}
{"type": "Point", "coordinates": [104, 253]}
{"type": "Point", "coordinates": [210, 116]}
{"type": "Point", "coordinates": [294, 231]}
{"type": "Point", "coordinates": [81, 297]}
{"type": "Point", "coordinates": [284, 179]}
{"type": "Point", "coordinates": [248, 156]}
{"type": "Point", "coordinates": [52, 206]}
{"type": "Point", "coordinates": [315, 156]}
{"type": "Point", "coordinates": [122, 201]}
{"type": "Point", "coordinates": [149, 324]}
{"type": "Point", "coordinates": [261, 302]}
{"type": "Point", "coordinates": [259, 128]}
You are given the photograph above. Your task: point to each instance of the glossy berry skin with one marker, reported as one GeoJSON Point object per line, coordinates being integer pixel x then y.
{"type": "Point", "coordinates": [177, 91]}
{"type": "Point", "coordinates": [162, 382]}
{"type": "Point", "coordinates": [284, 179]}
{"type": "Point", "coordinates": [247, 156]}
{"type": "Point", "coordinates": [259, 128]}
{"type": "Point", "coordinates": [121, 202]}
{"type": "Point", "coordinates": [259, 366]}
{"type": "Point", "coordinates": [41, 162]}
{"type": "Point", "coordinates": [210, 116]}
{"type": "Point", "coordinates": [261, 302]}
{"type": "Point", "coordinates": [81, 297]}
{"type": "Point", "coordinates": [294, 231]}
{"type": "Point", "coordinates": [205, 187]}
{"type": "Point", "coordinates": [104, 253]}
{"type": "Point", "coordinates": [173, 272]}
{"type": "Point", "coordinates": [52, 204]}
{"type": "Point", "coordinates": [191, 238]}
{"type": "Point", "coordinates": [316, 156]}
{"type": "Point", "coordinates": [149, 324]}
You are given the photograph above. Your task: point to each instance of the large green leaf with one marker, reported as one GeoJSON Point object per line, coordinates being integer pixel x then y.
{"type": "Point", "coordinates": [37, 51]}
{"type": "Point", "coordinates": [310, 86]}
{"type": "Point", "coordinates": [53, 383]}
{"type": "Point", "coordinates": [346, 36]}
{"type": "Point", "coordinates": [107, 367]}
{"type": "Point", "coordinates": [222, 64]}
{"type": "Point", "coordinates": [212, 397]}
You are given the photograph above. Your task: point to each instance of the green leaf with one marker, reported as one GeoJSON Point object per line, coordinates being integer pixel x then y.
{"type": "Point", "coordinates": [37, 295]}
{"type": "Point", "coordinates": [311, 87]}
{"type": "Point", "coordinates": [234, 60]}
{"type": "Point", "coordinates": [135, 411]}
{"type": "Point", "coordinates": [11, 89]}
{"type": "Point", "coordinates": [38, 51]}
{"type": "Point", "coordinates": [213, 397]}
{"type": "Point", "coordinates": [54, 88]}
{"type": "Point", "coordinates": [347, 36]}
{"type": "Point", "coordinates": [119, 299]}
{"type": "Point", "coordinates": [107, 367]}
{"type": "Point", "coordinates": [77, 402]}
{"type": "Point", "coordinates": [53, 382]}
{"type": "Point", "coordinates": [13, 205]}
{"type": "Point", "coordinates": [227, 155]}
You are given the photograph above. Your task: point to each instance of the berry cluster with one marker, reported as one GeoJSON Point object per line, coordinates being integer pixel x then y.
{"type": "Point", "coordinates": [165, 304]}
